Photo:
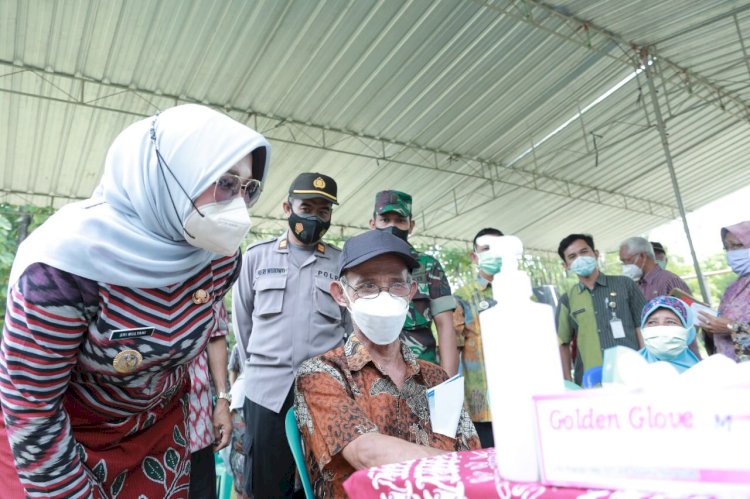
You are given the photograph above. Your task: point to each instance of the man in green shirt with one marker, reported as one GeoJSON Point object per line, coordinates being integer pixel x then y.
{"type": "Point", "coordinates": [433, 301]}
{"type": "Point", "coordinates": [599, 312]}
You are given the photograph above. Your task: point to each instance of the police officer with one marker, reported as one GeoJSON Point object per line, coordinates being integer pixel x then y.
{"type": "Point", "coordinates": [283, 314]}
{"type": "Point", "coordinates": [433, 301]}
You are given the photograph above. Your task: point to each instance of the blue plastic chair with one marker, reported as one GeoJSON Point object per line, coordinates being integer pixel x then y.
{"type": "Point", "coordinates": [224, 479]}
{"type": "Point", "coordinates": [592, 377]}
{"type": "Point", "coordinates": [569, 385]}
{"type": "Point", "coordinates": [295, 444]}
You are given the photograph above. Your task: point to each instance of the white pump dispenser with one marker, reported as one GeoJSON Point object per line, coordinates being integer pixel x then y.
{"type": "Point", "coordinates": [521, 357]}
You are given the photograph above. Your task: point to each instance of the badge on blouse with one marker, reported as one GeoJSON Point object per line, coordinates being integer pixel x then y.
{"type": "Point", "coordinates": [484, 305]}
{"type": "Point", "coordinates": [200, 296]}
{"type": "Point", "coordinates": [127, 361]}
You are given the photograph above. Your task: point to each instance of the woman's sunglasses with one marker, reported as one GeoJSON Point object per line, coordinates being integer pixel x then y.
{"type": "Point", "coordinates": [229, 185]}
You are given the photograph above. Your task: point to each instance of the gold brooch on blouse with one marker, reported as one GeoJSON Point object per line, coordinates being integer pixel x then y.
{"type": "Point", "coordinates": [127, 361]}
{"type": "Point", "coordinates": [201, 296]}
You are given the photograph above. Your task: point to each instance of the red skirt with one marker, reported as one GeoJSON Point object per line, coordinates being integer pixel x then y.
{"type": "Point", "coordinates": [144, 455]}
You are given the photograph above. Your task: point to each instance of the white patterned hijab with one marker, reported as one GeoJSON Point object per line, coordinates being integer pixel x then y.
{"type": "Point", "coordinates": [129, 233]}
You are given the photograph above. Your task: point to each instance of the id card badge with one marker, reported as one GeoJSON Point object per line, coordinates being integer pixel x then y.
{"type": "Point", "coordinates": [617, 330]}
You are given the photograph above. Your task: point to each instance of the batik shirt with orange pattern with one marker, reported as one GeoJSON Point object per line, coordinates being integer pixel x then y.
{"type": "Point", "coordinates": [343, 394]}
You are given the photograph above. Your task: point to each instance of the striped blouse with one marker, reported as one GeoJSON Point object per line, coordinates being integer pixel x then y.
{"type": "Point", "coordinates": [62, 333]}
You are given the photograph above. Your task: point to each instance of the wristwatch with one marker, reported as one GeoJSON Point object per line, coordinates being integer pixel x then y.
{"type": "Point", "coordinates": [737, 327]}
{"type": "Point", "coordinates": [226, 396]}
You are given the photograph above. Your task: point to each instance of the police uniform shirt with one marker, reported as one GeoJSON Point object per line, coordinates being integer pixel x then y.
{"type": "Point", "coordinates": [283, 315]}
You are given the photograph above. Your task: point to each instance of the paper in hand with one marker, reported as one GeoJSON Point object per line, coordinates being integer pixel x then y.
{"type": "Point", "coordinates": [699, 307]}
{"type": "Point", "coordinates": [696, 305]}
{"type": "Point", "coordinates": [446, 401]}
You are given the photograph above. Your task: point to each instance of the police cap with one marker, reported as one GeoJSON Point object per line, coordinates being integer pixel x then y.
{"type": "Point", "coordinates": [310, 185]}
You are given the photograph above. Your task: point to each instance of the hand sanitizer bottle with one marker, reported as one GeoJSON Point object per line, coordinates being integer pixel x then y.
{"type": "Point", "coordinates": [522, 359]}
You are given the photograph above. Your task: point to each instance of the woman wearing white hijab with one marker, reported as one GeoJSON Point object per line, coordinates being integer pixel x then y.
{"type": "Point", "coordinates": [112, 298]}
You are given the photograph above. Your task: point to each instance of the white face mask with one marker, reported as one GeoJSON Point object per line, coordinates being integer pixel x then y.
{"type": "Point", "coordinates": [666, 342]}
{"type": "Point", "coordinates": [381, 318]}
{"type": "Point", "coordinates": [221, 229]}
{"type": "Point", "coordinates": [632, 270]}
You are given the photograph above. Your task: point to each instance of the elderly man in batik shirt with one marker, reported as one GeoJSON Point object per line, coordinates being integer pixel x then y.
{"type": "Point", "coordinates": [364, 404]}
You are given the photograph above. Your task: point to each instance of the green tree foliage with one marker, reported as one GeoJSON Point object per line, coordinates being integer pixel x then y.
{"type": "Point", "coordinates": [455, 261]}
{"type": "Point", "coordinates": [715, 270]}
{"type": "Point", "coordinates": [15, 222]}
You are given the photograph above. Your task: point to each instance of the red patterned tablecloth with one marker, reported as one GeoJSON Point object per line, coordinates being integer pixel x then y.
{"type": "Point", "coordinates": [470, 474]}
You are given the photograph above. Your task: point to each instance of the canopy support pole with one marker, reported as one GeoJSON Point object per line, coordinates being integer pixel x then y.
{"type": "Point", "coordinates": [675, 185]}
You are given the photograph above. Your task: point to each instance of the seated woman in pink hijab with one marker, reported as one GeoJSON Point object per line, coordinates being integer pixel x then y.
{"type": "Point", "coordinates": [731, 329]}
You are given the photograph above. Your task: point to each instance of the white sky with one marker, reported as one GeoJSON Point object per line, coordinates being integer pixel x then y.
{"type": "Point", "coordinates": [705, 225]}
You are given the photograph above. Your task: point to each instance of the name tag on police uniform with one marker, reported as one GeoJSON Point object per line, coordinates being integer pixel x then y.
{"type": "Point", "coordinates": [270, 271]}
{"type": "Point", "coordinates": [127, 334]}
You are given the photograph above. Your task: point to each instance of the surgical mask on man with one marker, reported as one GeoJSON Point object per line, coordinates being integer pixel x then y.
{"type": "Point", "coordinates": [739, 261]}
{"type": "Point", "coordinates": [218, 227]}
{"type": "Point", "coordinates": [488, 263]}
{"type": "Point", "coordinates": [665, 342]}
{"type": "Point", "coordinates": [400, 233]}
{"type": "Point", "coordinates": [381, 318]}
{"type": "Point", "coordinates": [632, 270]}
{"type": "Point", "coordinates": [309, 229]}
{"type": "Point", "coordinates": [584, 266]}
{"type": "Point", "coordinates": [661, 263]}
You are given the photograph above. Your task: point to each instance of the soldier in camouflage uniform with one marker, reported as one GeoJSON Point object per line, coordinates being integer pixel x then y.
{"type": "Point", "coordinates": [433, 301]}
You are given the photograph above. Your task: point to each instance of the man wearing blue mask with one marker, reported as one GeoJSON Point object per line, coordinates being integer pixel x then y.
{"type": "Point", "coordinates": [660, 253]}
{"type": "Point", "coordinates": [433, 301]}
{"type": "Point", "coordinates": [599, 312]}
{"type": "Point", "coordinates": [474, 298]}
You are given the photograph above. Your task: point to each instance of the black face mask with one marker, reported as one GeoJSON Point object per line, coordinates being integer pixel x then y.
{"type": "Point", "coordinates": [400, 233]}
{"type": "Point", "coordinates": [309, 229]}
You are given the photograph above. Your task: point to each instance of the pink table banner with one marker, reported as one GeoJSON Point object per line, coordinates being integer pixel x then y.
{"type": "Point", "coordinates": [470, 474]}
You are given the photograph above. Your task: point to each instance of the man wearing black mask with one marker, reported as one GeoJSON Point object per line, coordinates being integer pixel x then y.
{"type": "Point", "coordinates": [433, 301]}
{"type": "Point", "coordinates": [283, 314]}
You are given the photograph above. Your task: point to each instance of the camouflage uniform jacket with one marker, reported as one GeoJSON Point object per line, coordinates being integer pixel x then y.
{"type": "Point", "coordinates": [433, 297]}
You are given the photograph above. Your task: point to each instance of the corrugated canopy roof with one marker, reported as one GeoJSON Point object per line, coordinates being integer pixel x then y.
{"type": "Point", "coordinates": [532, 117]}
